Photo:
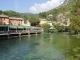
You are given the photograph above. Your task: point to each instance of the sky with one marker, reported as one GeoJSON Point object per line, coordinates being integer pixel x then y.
{"type": "Point", "coordinates": [31, 6]}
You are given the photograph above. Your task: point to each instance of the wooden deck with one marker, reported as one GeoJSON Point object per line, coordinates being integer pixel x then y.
{"type": "Point", "coordinates": [19, 33]}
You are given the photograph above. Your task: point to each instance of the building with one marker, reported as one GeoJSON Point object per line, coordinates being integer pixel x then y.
{"type": "Point", "coordinates": [42, 21]}
{"type": "Point", "coordinates": [4, 20]}
{"type": "Point", "coordinates": [15, 26]}
{"type": "Point", "coordinates": [27, 23]}
{"type": "Point", "coordinates": [11, 24]}
{"type": "Point", "coordinates": [16, 21]}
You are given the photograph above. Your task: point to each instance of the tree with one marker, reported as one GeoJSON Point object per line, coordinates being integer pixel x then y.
{"type": "Point", "coordinates": [46, 27]}
{"type": "Point", "coordinates": [75, 24]}
{"type": "Point", "coordinates": [42, 14]}
{"type": "Point", "coordinates": [78, 11]}
{"type": "Point", "coordinates": [12, 13]}
{"type": "Point", "coordinates": [34, 21]}
{"type": "Point", "coordinates": [75, 18]}
{"type": "Point", "coordinates": [59, 28]}
{"type": "Point", "coordinates": [1, 12]}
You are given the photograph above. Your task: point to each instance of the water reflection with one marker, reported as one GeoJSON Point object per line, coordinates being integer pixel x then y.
{"type": "Point", "coordinates": [68, 41]}
{"type": "Point", "coordinates": [51, 38]}
{"type": "Point", "coordinates": [43, 47]}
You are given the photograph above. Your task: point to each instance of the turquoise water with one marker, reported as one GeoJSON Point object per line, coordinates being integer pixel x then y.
{"type": "Point", "coordinates": [56, 46]}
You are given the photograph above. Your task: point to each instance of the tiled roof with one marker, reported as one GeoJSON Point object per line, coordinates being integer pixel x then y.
{"type": "Point", "coordinates": [3, 16]}
{"type": "Point", "coordinates": [16, 18]}
{"type": "Point", "coordinates": [12, 17]}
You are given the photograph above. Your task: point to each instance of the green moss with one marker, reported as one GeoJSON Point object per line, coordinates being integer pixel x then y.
{"type": "Point", "coordinates": [78, 55]}
{"type": "Point", "coordinates": [75, 50]}
{"type": "Point", "coordinates": [70, 58]}
{"type": "Point", "coordinates": [76, 35]}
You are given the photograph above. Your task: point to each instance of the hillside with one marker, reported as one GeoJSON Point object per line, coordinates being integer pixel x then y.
{"type": "Point", "coordinates": [68, 11]}
{"type": "Point", "coordinates": [63, 9]}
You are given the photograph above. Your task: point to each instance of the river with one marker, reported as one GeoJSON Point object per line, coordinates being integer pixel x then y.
{"type": "Point", "coordinates": [56, 46]}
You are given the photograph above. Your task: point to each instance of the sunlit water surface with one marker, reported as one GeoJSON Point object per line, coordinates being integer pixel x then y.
{"type": "Point", "coordinates": [56, 46]}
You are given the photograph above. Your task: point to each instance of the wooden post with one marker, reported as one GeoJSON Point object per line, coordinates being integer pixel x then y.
{"type": "Point", "coordinates": [7, 35]}
{"type": "Point", "coordinates": [19, 34]}
{"type": "Point", "coordinates": [16, 30]}
{"type": "Point", "coordinates": [8, 32]}
{"type": "Point", "coordinates": [36, 33]}
{"type": "Point", "coordinates": [28, 33]}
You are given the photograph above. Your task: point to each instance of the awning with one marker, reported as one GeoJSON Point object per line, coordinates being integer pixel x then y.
{"type": "Point", "coordinates": [12, 26]}
{"type": "Point", "coordinates": [20, 27]}
{"type": "Point", "coordinates": [3, 26]}
{"type": "Point", "coordinates": [26, 26]}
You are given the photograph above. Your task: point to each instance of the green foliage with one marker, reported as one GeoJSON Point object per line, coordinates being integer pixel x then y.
{"type": "Point", "coordinates": [42, 14]}
{"type": "Point", "coordinates": [1, 12]}
{"type": "Point", "coordinates": [75, 54]}
{"type": "Point", "coordinates": [76, 35]}
{"type": "Point", "coordinates": [59, 28]}
{"type": "Point", "coordinates": [70, 58]}
{"type": "Point", "coordinates": [46, 27]}
{"type": "Point", "coordinates": [62, 9]}
{"type": "Point", "coordinates": [75, 18]}
{"type": "Point", "coordinates": [11, 13]}
{"type": "Point", "coordinates": [75, 23]}
{"type": "Point", "coordinates": [34, 21]}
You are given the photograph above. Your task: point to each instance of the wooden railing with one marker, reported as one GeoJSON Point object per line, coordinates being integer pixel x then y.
{"type": "Point", "coordinates": [19, 31]}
